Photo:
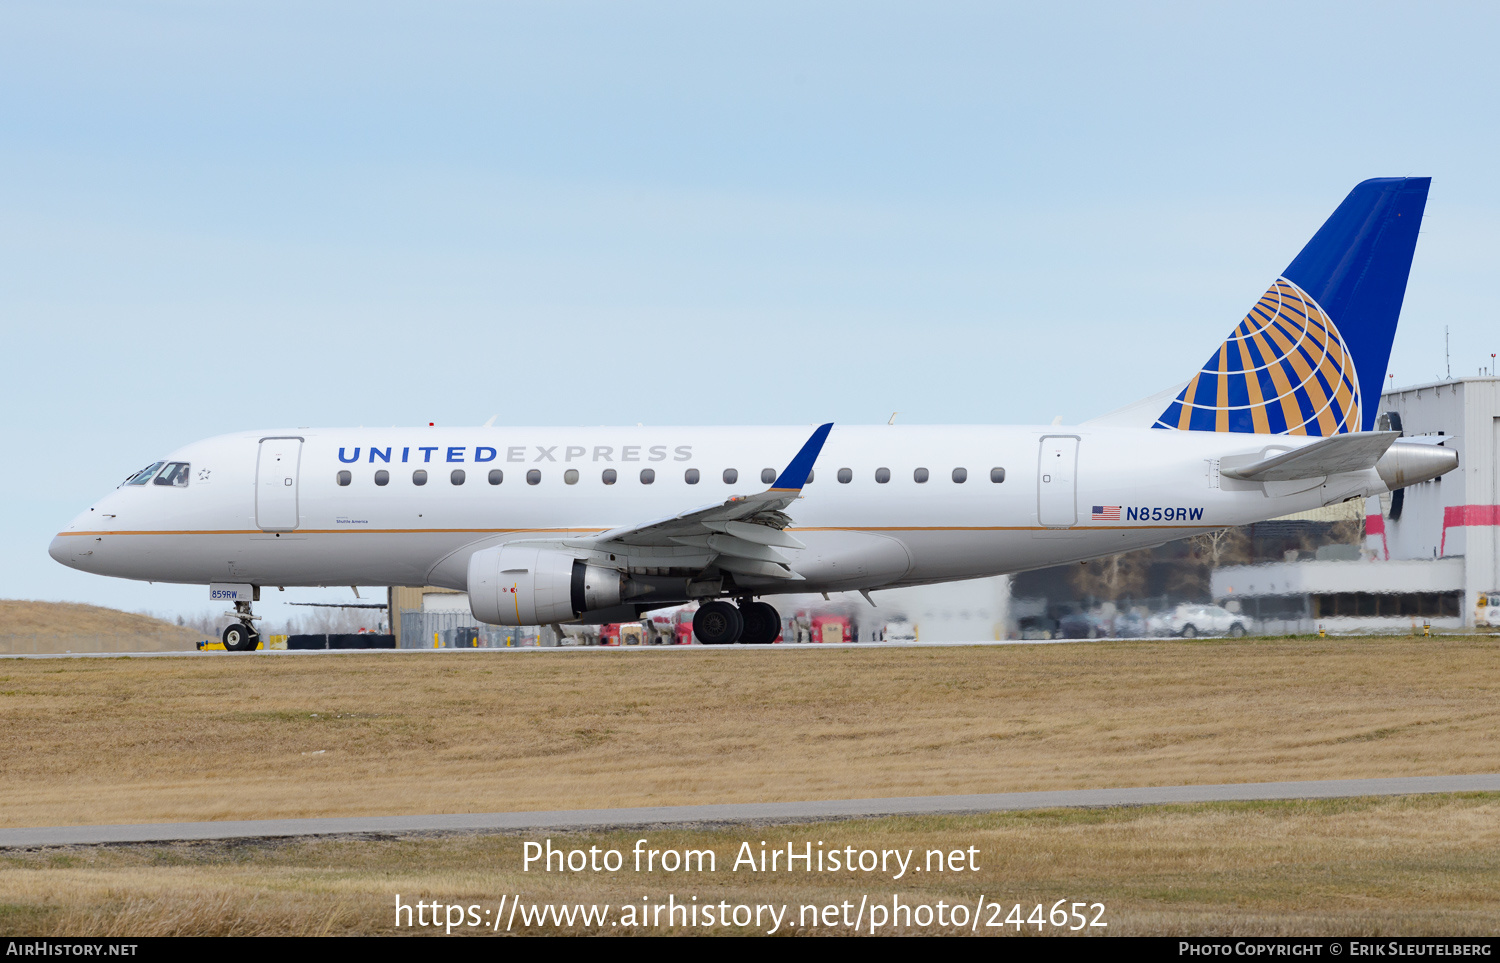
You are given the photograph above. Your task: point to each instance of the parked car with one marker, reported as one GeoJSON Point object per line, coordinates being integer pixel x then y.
{"type": "Point", "coordinates": [1129, 625]}
{"type": "Point", "coordinates": [1082, 625]}
{"type": "Point", "coordinates": [1191, 620]}
{"type": "Point", "coordinates": [900, 630]}
{"type": "Point", "coordinates": [1036, 627]}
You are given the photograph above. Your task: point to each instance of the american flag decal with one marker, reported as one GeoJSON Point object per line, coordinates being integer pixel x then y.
{"type": "Point", "coordinates": [1106, 513]}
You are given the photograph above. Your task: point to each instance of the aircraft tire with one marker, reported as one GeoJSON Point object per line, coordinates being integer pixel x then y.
{"type": "Point", "coordinates": [238, 638]}
{"type": "Point", "coordinates": [718, 623]}
{"type": "Point", "coordinates": [762, 623]}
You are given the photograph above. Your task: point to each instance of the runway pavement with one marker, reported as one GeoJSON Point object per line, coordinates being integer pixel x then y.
{"type": "Point", "coordinates": [556, 650]}
{"type": "Point", "coordinates": [729, 813]}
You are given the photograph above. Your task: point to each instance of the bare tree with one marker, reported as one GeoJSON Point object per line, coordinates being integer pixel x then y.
{"type": "Point", "coordinates": [1350, 531]}
{"type": "Point", "coordinates": [1226, 545]}
{"type": "Point", "coordinates": [1113, 578]}
{"type": "Point", "coordinates": [1194, 577]}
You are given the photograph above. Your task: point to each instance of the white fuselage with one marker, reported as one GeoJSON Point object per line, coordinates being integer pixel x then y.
{"type": "Point", "coordinates": [272, 512]}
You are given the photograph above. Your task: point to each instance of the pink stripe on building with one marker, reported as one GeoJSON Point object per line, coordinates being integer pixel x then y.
{"type": "Point", "coordinates": [1460, 516]}
{"type": "Point", "coordinates": [1375, 525]}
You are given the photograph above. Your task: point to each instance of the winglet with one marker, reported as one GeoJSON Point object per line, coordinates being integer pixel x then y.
{"type": "Point", "coordinates": [794, 476]}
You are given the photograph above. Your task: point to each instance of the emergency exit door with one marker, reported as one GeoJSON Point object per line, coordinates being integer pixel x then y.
{"type": "Point", "coordinates": [1057, 481]}
{"type": "Point", "coordinates": [276, 484]}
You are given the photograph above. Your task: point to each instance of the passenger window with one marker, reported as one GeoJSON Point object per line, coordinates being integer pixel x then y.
{"type": "Point", "coordinates": [175, 475]}
{"type": "Point", "coordinates": [767, 475]}
{"type": "Point", "coordinates": [731, 475]}
{"type": "Point", "coordinates": [846, 476]}
{"type": "Point", "coordinates": [419, 477]}
{"type": "Point", "coordinates": [997, 475]}
{"type": "Point", "coordinates": [882, 475]}
{"type": "Point", "coordinates": [382, 478]}
{"type": "Point", "coordinates": [570, 477]}
{"type": "Point", "coordinates": [960, 475]}
{"type": "Point", "coordinates": [690, 476]}
{"type": "Point", "coordinates": [534, 477]}
{"type": "Point", "coordinates": [496, 476]}
{"type": "Point", "coordinates": [610, 476]}
{"type": "Point", "coordinates": [919, 476]}
{"type": "Point", "coordinates": [345, 478]}
{"type": "Point", "coordinates": [144, 475]}
{"type": "Point", "coordinates": [648, 475]}
{"type": "Point", "coordinates": [457, 477]}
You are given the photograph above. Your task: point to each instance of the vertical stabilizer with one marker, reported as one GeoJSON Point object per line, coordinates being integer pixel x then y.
{"type": "Point", "coordinates": [1310, 357]}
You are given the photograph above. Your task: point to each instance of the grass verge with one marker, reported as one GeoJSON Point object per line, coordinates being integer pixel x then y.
{"type": "Point", "coordinates": [1375, 867]}
{"type": "Point", "coordinates": [240, 737]}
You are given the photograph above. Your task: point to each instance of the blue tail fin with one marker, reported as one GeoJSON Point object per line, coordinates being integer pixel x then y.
{"type": "Point", "coordinates": [1310, 357]}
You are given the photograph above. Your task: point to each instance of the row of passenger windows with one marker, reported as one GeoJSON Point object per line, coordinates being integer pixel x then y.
{"type": "Point", "coordinates": [648, 476]}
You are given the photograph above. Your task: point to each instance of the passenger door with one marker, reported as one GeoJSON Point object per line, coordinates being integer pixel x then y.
{"type": "Point", "coordinates": [1057, 481]}
{"type": "Point", "coordinates": [276, 484]}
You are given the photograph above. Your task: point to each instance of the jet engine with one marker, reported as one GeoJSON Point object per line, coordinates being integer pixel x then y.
{"type": "Point", "coordinates": [526, 585]}
{"type": "Point", "coordinates": [1407, 463]}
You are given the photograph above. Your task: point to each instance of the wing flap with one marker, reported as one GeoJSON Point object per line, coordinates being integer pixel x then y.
{"type": "Point", "coordinates": [743, 534]}
{"type": "Point", "coordinates": [664, 531]}
{"type": "Point", "coordinates": [737, 547]}
{"type": "Point", "coordinates": [755, 532]}
{"type": "Point", "coordinates": [750, 566]}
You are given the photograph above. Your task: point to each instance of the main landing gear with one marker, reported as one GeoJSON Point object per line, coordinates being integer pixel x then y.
{"type": "Point", "coordinates": [241, 636]}
{"type": "Point", "coordinates": [749, 623]}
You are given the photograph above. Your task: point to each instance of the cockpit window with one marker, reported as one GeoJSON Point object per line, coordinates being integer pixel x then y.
{"type": "Point", "coordinates": [175, 475]}
{"type": "Point", "coordinates": [144, 475]}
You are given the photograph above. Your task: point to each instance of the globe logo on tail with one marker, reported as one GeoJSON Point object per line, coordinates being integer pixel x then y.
{"type": "Point", "coordinates": [1285, 370]}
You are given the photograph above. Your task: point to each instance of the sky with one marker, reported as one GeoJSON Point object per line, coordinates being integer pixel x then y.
{"type": "Point", "coordinates": [219, 216]}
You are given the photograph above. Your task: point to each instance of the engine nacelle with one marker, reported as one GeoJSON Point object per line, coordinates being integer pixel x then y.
{"type": "Point", "coordinates": [525, 585]}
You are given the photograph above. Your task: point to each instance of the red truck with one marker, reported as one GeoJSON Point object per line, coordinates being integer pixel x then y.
{"type": "Point", "coordinates": [832, 628]}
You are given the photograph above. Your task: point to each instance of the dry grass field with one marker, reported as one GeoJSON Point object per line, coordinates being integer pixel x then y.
{"type": "Point", "coordinates": [221, 736]}
{"type": "Point", "coordinates": [1415, 866]}
{"type": "Point", "coordinates": [35, 627]}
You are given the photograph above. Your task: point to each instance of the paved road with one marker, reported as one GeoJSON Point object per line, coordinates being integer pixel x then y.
{"type": "Point", "coordinates": [791, 812]}
{"type": "Point", "coordinates": [600, 649]}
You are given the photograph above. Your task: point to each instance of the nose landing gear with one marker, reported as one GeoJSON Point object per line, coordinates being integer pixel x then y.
{"type": "Point", "coordinates": [241, 636]}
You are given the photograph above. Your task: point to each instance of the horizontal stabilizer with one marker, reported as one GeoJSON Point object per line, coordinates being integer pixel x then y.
{"type": "Point", "coordinates": [1355, 451]}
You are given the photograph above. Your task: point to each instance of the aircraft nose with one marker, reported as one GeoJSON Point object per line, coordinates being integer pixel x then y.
{"type": "Point", "coordinates": [73, 545]}
{"type": "Point", "coordinates": [61, 550]}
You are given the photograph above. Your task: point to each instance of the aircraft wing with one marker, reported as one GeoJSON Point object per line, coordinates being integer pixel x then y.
{"type": "Point", "coordinates": [1353, 451]}
{"type": "Point", "coordinates": [743, 534]}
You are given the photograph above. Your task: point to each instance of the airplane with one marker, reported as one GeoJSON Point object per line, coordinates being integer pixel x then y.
{"type": "Point", "coordinates": [544, 526]}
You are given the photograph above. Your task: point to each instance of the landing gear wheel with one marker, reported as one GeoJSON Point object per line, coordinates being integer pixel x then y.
{"type": "Point", "coordinates": [762, 623]}
{"type": "Point", "coordinates": [240, 638]}
{"type": "Point", "coordinates": [718, 623]}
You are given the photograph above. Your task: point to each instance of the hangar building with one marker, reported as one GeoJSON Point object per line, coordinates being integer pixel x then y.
{"type": "Point", "coordinates": [1431, 552]}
